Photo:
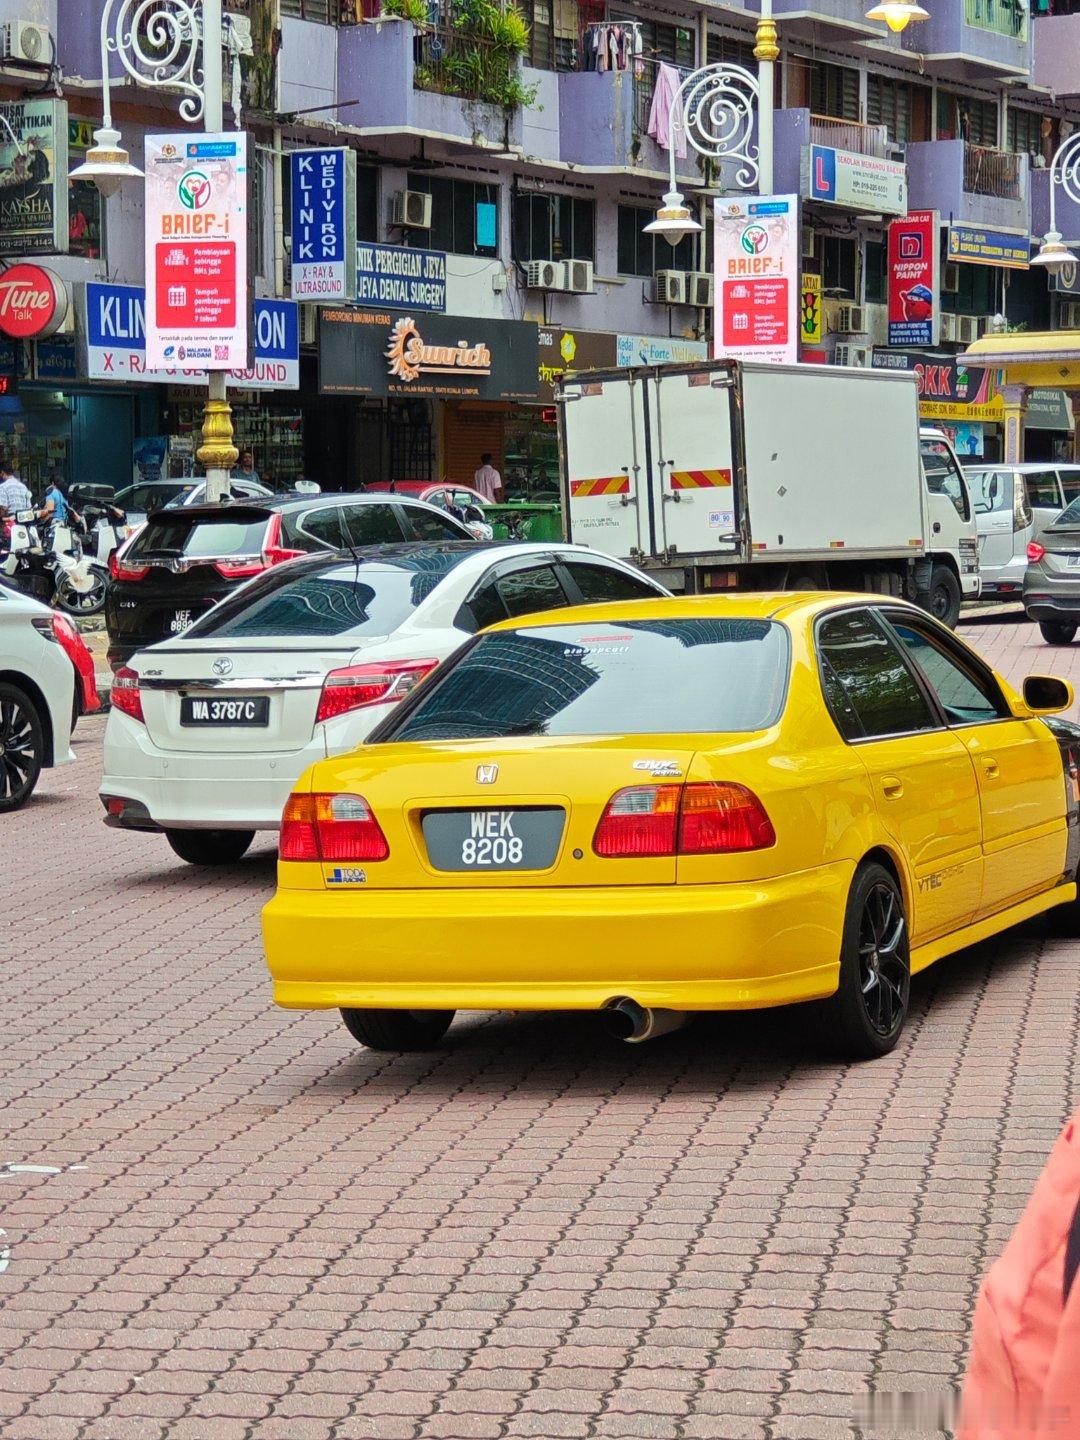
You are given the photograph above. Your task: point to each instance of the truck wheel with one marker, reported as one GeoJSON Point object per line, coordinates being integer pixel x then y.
{"type": "Point", "coordinates": [398, 1029]}
{"type": "Point", "coordinates": [866, 1015]}
{"type": "Point", "coordinates": [1056, 632]}
{"type": "Point", "coordinates": [803, 580]}
{"type": "Point", "coordinates": [210, 847]}
{"type": "Point", "coordinates": [943, 598]}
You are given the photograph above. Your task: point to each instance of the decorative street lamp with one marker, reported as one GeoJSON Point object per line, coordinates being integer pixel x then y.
{"type": "Point", "coordinates": [714, 109]}
{"type": "Point", "coordinates": [1054, 254]}
{"type": "Point", "coordinates": [162, 45]}
{"type": "Point", "coordinates": [897, 14]}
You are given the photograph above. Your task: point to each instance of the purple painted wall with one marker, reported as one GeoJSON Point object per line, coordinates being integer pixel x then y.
{"type": "Point", "coordinates": [308, 65]}
{"type": "Point", "coordinates": [1068, 211]}
{"type": "Point", "coordinates": [1057, 53]}
{"type": "Point", "coordinates": [936, 182]}
{"type": "Point", "coordinates": [791, 131]}
{"type": "Point", "coordinates": [596, 118]}
{"type": "Point", "coordinates": [948, 33]}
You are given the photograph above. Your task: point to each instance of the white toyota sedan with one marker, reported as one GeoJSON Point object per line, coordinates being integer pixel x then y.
{"type": "Point", "coordinates": [208, 731]}
{"type": "Point", "coordinates": [37, 689]}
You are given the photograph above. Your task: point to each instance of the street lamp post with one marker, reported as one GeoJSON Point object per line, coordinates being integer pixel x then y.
{"type": "Point", "coordinates": [163, 43]}
{"type": "Point", "coordinates": [1054, 254]}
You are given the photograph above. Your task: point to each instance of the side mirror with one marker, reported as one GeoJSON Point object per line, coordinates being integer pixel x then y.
{"type": "Point", "coordinates": [1047, 695]}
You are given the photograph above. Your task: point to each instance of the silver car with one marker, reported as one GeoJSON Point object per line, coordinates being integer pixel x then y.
{"type": "Point", "coordinates": [1052, 579]}
{"type": "Point", "coordinates": [1013, 505]}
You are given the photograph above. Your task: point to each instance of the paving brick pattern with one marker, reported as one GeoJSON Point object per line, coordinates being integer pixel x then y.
{"type": "Point", "coordinates": [258, 1232]}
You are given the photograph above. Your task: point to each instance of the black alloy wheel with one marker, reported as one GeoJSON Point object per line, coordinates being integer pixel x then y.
{"type": "Point", "coordinates": [22, 747]}
{"type": "Point", "coordinates": [88, 602]}
{"type": "Point", "coordinates": [401, 1030]}
{"type": "Point", "coordinates": [867, 1013]}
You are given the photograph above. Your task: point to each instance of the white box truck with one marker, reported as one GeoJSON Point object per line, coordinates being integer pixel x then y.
{"type": "Point", "coordinates": [724, 474]}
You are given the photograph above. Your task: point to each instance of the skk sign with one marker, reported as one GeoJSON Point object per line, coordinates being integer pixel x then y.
{"type": "Point", "coordinates": [113, 341]}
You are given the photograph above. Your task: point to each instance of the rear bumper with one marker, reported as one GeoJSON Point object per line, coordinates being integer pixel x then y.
{"type": "Point", "coordinates": [684, 947]}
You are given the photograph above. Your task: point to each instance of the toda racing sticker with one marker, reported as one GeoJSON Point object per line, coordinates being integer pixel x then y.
{"type": "Point", "coordinates": [346, 875]}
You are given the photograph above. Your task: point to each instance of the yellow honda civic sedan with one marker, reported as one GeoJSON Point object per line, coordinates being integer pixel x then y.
{"type": "Point", "coordinates": [679, 805]}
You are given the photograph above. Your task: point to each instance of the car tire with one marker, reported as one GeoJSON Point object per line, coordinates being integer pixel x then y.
{"type": "Point", "coordinates": [210, 847]}
{"type": "Point", "coordinates": [22, 746]}
{"type": "Point", "coordinates": [398, 1029]}
{"type": "Point", "coordinates": [1057, 632]}
{"type": "Point", "coordinates": [866, 1015]}
{"type": "Point", "coordinates": [943, 597]}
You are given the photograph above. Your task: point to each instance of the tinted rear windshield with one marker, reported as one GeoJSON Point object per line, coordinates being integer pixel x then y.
{"type": "Point", "coordinates": [644, 677]}
{"type": "Point", "coordinates": [342, 599]}
{"type": "Point", "coordinates": [152, 497]}
{"type": "Point", "coordinates": [172, 534]}
{"type": "Point", "coordinates": [990, 490]}
{"type": "Point", "coordinates": [1070, 515]}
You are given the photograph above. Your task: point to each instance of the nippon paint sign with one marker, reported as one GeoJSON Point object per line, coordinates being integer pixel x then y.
{"type": "Point", "coordinates": [112, 341]}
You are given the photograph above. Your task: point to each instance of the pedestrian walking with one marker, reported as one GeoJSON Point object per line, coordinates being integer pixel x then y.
{"type": "Point", "coordinates": [14, 495]}
{"type": "Point", "coordinates": [1023, 1380]}
{"type": "Point", "coordinates": [488, 480]}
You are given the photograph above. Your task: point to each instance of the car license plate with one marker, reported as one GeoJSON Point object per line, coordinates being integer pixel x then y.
{"type": "Point", "coordinates": [236, 710]}
{"type": "Point", "coordinates": [182, 620]}
{"type": "Point", "coordinates": [492, 839]}
{"type": "Point", "coordinates": [1072, 561]}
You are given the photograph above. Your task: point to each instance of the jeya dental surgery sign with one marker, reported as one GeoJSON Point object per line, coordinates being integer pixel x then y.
{"type": "Point", "coordinates": [112, 339]}
{"type": "Point", "coordinates": [323, 215]}
{"type": "Point", "coordinates": [913, 279]}
{"type": "Point", "coordinates": [757, 278]}
{"type": "Point", "coordinates": [196, 251]}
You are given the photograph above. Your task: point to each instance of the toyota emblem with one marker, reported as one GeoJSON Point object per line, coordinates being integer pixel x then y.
{"type": "Point", "coordinates": [222, 665]}
{"type": "Point", "coordinates": [487, 774]}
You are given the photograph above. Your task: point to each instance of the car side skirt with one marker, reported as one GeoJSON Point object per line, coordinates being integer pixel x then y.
{"type": "Point", "coordinates": [924, 955]}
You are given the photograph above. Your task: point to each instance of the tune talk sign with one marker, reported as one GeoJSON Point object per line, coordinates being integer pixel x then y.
{"type": "Point", "coordinates": [196, 251]}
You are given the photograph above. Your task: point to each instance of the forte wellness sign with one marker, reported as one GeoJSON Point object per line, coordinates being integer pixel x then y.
{"type": "Point", "coordinates": [369, 352]}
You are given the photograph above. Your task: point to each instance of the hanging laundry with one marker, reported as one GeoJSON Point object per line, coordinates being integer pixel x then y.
{"type": "Point", "coordinates": [665, 113]}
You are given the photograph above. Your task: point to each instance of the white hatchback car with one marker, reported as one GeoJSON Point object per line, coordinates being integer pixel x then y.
{"type": "Point", "coordinates": [37, 691]}
{"type": "Point", "coordinates": [209, 731]}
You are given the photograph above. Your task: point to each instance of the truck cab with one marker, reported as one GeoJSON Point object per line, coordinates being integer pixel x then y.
{"type": "Point", "coordinates": [950, 512]}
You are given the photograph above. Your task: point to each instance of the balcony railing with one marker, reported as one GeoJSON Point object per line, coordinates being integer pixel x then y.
{"type": "Point", "coordinates": [993, 172]}
{"type": "Point", "coordinates": [1004, 17]}
{"type": "Point", "coordinates": [849, 135]}
{"type": "Point", "coordinates": [447, 61]}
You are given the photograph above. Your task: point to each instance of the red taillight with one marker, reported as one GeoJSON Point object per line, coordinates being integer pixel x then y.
{"type": "Point", "coordinates": [722, 817]}
{"type": "Point", "coordinates": [119, 571]}
{"type": "Point", "coordinates": [240, 569]}
{"type": "Point", "coordinates": [641, 820]}
{"type": "Point", "coordinates": [124, 695]}
{"type": "Point", "coordinates": [355, 686]}
{"type": "Point", "coordinates": [331, 828]}
{"type": "Point", "coordinates": [1035, 551]}
{"type": "Point", "coordinates": [274, 553]}
{"type": "Point", "coordinates": [705, 819]}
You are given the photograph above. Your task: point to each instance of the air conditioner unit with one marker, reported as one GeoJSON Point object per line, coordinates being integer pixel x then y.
{"type": "Point", "coordinates": [578, 276]}
{"type": "Point", "coordinates": [26, 42]}
{"type": "Point", "coordinates": [545, 275]}
{"type": "Point", "coordinates": [807, 249]}
{"type": "Point", "coordinates": [1069, 315]}
{"type": "Point", "coordinates": [967, 329]}
{"type": "Point", "coordinates": [412, 209]}
{"type": "Point", "coordinates": [309, 324]}
{"type": "Point", "coordinates": [850, 320]}
{"type": "Point", "coordinates": [856, 355]}
{"type": "Point", "coordinates": [950, 328]}
{"type": "Point", "coordinates": [700, 289]}
{"type": "Point", "coordinates": [669, 287]}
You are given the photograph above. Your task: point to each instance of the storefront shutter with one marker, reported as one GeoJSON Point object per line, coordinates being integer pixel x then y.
{"type": "Point", "coordinates": [467, 434]}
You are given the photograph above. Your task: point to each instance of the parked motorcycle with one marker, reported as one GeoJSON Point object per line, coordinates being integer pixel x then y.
{"type": "Point", "coordinates": [55, 572]}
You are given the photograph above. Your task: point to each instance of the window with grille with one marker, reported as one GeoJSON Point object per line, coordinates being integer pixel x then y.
{"type": "Point", "coordinates": [725, 49]}
{"type": "Point", "coordinates": [877, 272]}
{"type": "Point", "coordinates": [963, 117]}
{"type": "Point", "coordinates": [1025, 132]}
{"type": "Point", "coordinates": [902, 108]}
{"type": "Point", "coordinates": [673, 43]}
{"type": "Point", "coordinates": [554, 33]}
{"type": "Point", "coordinates": [325, 12]}
{"type": "Point", "coordinates": [834, 91]}
{"type": "Point", "coordinates": [554, 227]}
{"type": "Point", "coordinates": [641, 254]}
{"type": "Point", "coordinates": [464, 214]}
{"type": "Point", "coordinates": [839, 259]}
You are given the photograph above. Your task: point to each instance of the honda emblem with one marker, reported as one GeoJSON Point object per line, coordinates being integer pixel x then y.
{"type": "Point", "coordinates": [487, 774]}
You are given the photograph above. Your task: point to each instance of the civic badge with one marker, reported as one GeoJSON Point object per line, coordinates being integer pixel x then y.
{"type": "Point", "coordinates": [222, 665]}
{"type": "Point", "coordinates": [487, 774]}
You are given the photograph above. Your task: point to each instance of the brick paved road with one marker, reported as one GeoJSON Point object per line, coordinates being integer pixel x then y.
{"type": "Point", "coordinates": [257, 1232]}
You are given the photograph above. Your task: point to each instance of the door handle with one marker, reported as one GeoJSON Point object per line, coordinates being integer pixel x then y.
{"type": "Point", "coordinates": [892, 787]}
{"type": "Point", "coordinates": [990, 767]}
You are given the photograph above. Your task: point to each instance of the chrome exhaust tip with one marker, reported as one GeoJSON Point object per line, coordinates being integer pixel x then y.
{"type": "Point", "coordinates": [625, 1019]}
